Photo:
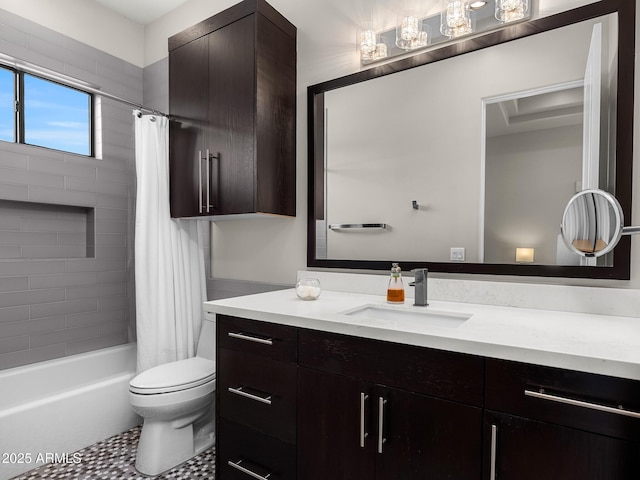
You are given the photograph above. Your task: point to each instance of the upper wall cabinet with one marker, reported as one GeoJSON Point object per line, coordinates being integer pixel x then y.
{"type": "Point", "coordinates": [232, 102]}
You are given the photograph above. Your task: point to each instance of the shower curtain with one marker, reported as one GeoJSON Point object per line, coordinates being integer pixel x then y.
{"type": "Point", "coordinates": [169, 258]}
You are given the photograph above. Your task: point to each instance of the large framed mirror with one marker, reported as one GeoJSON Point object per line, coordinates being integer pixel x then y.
{"type": "Point", "coordinates": [462, 158]}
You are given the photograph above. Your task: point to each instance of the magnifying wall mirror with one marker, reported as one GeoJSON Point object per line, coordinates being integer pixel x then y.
{"type": "Point", "coordinates": [593, 223]}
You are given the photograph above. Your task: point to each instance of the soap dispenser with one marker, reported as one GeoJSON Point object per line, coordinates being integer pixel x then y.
{"type": "Point", "coordinates": [395, 291]}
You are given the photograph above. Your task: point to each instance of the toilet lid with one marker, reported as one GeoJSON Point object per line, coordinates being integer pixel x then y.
{"type": "Point", "coordinates": [174, 376]}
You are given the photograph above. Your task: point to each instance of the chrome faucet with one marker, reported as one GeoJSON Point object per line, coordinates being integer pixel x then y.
{"type": "Point", "coordinates": [420, 282]}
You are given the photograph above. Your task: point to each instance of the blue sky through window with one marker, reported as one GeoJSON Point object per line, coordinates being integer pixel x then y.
{"type": "Point", "coordinates": [56, 116]}
{"type": "Point", "coordinates": [7, 106]}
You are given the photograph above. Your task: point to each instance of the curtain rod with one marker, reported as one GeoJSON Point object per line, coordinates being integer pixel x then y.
{"type": "Point", "coordinates": [31, 68]}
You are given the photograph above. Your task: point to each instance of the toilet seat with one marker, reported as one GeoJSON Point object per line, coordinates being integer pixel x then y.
{"type": "Point", "coordinates": [174, 376]}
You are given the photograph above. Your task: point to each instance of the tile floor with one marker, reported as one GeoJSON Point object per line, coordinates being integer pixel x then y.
{"type": "Point", "coordinates": [114, 459]}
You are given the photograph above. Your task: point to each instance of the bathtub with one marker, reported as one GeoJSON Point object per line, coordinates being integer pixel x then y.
{"type": "Point", "coordinates": [60, 406]}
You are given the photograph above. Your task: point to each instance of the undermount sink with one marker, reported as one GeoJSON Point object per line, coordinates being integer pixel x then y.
{"type": "Point", "coordinates": [414, 315]}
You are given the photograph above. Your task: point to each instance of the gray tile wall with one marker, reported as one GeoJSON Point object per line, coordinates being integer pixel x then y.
{"type": "Point", "coordinates": [36, 230]}
{"type": "Point", "coordinates": [53, 307]}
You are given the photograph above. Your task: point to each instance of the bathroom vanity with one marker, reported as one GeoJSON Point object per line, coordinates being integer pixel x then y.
{"type": "Point", "coordinates": [347, 387]}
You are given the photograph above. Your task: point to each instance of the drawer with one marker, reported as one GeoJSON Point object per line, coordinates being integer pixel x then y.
{"type": "Point", "coordinates": [448, 375]}
{"type": "Point", "coordinates": [255, 455]}
{"type": "Point", "coordinates": [565, 397]}
{"type": "Point", "coordinates": [259, 338]}
{"type": "Point", "coordinates": [258, 392]}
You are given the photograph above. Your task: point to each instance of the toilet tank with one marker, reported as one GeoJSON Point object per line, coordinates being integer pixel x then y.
{"type": "Point", "coordinates": [207, 340]}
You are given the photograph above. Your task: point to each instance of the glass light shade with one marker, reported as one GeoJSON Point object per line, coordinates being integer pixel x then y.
{"type": "Point", "coordinates": [411, 33]}
{"type": "Point", "coordinates": [380, 52]}
{"type": "Point", "coordinates": [511, 10]}
{"type": "Point", "coordinates": [524, 255]}
{"type": "Point", "coordinates": [370, 46]}
{"type": "Point", "coordinates": [455, 18]}
{"type": "Point", "coordinates": [367, 43]}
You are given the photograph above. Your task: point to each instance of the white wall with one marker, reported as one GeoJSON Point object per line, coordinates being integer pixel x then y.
{"type": "Point", "coordinates": [189, 13]}
{"type": "Point", "coordinates": [524, 202]}
{"type": "Point", "coordinates": [86, 21]}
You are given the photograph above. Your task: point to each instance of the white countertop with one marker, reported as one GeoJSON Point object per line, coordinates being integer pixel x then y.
{"type": "Point", "coordinates": [608, 345]}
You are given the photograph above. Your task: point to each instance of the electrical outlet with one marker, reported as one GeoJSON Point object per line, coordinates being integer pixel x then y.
{"type": "Point", "coordinates": [457, 254]}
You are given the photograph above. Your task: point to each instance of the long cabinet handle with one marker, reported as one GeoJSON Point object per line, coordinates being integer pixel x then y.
{"type": "Point", "coordinates": [381, 440]}
{"type": "Point", "coordinates": [239, 391]}
{"type": "Point", "coordinates": [494, 446]}
{"type": "Point", "coordinates": [580, 403]}
{"type": "Point", "coordinates": [363, 433]}
{"type": "Point", "coordinates": [251, 473]}
{"type": "Point", "coordinates": [250, 338]}
{"type": "Point", "coordinates": [208, 180]}
{"type": "Point", "coordinates": [200, 180]}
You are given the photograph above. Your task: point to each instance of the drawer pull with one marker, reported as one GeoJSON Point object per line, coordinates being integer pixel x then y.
{"type": "Point", "coordinates": [363, 434]}
{"type": "Point", "coordinates": [494, 447]}
{"type": "Point", "coordinates": [242, 393]}
{"type": "Point", "coordinates": [251, 473]}
{"type": "Point", "coordinates": [244, 336]}
{"type": "Point", "coordinates": [579, 403]}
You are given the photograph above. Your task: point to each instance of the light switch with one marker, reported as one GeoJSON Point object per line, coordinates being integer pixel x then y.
{"type": "Point", "coordinates": [457, 254]}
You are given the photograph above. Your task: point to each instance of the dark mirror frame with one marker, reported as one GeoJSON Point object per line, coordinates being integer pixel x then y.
{"type": "Point", "coordinates": [624, 142]}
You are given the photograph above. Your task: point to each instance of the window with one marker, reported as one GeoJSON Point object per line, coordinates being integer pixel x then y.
{"type": "Point", "coordinates": [39, 112]}
{"type": "Point", "coordinates": [7, 105]}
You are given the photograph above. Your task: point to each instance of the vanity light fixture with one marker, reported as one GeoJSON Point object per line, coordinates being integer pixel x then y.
{"type": "Point", "coordinates": [524, 255]}
{"type": "Point", "coordinates": [511, 10]}
{"type": "Point", "coordinates": [455, 18]}
{"type": "Point", "coordinates": [411, 33]}
{"type": "Point", "coordinates": [371, 48]}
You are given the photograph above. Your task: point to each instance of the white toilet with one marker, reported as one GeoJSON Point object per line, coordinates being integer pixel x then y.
{"type": "Point", "coordinates": [176, 401]}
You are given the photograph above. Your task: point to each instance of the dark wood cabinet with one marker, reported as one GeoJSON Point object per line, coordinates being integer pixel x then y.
{"type": "Point", "coordinates": [232, 101]}
{"type": "Point", "coordinates": [353, 429]}
{"type": "Point", "coordinates": [358, 401]}
{"type": "Point", "coordinates": [244, 453]}
{"type": "Point", "coordinates": [525, 449]}
{"type": "Point", "coordinates": [557, 424]}
{"type": "Point", "coordinates": [256, 398]}
{"type": "Point", "coordinates": [332, 419]}
{"type": "Point", "coordinates": [188, 86]}
{"type": "Point", "coordinates": [299, 403]}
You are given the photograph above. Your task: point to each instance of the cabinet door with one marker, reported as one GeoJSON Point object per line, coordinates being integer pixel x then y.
{"type": "Point", "coordinates": [523, 449]}
{"type": "Point", "coordinates": [426, 437]}
{"type": "Point", "coordinates": [232, 116]}
{"type": "Point", "coordinates": [336, 427]}
{"type": "Point", "coordinates": [387, 434]}
{"type": "Point", "coordinates": [188, 93]}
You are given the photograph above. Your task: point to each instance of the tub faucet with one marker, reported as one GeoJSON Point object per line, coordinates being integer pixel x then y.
{"type": "Point", "coordinates": [420, 282]}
